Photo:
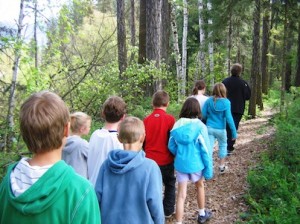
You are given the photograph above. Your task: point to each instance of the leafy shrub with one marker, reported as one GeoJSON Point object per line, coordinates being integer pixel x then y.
{"type": "Point", "coordinates": [274, 195]}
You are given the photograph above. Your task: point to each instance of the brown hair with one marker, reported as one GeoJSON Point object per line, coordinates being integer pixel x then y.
{"type": "Point", "coordinates": [160, 99]}
{"type": "Point", "coordinates": [130, 130]}
{"type": "Point", "coordinates": [199, 85]}
{"type": "Point", "coordinates": [190, 109]}
{"type": "Point", "coordinates": [219, 90]}
{"type": "Point", "coordinates": [43, 119]}
{"type": "Point", "coordinates": [78, 120]}
{"type": "Point", "coordinates": [236, 69]}
{"type": "Point", "coordinates": [114, 108]}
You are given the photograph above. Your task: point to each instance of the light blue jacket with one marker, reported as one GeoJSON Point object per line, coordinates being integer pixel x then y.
{"type": "Point", "coordinates": [218, 113]}
{"type": "Point", "coordinates": [189, 144]}
{"type": "Point", "coordinates": [129, 189]}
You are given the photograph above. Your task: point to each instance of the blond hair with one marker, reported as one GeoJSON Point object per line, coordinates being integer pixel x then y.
{"type": "Point", "coordinates": [219, 90]}
{"type": "Point", "coordinates": [130, 130]}
{"type": "Point", "coordinates": [43, 119]}
{"type": "Point", "coordinates": [78, 120]}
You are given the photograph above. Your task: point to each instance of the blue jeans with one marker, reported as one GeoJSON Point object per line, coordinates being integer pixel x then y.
{"type": "Point", "coordinates": [169, 180]}
{"type": "Point", "coordinates": [221, 136]}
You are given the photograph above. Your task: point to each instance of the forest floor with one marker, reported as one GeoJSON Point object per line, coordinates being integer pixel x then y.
{"type": "Point", "coordinates": [225, 192]}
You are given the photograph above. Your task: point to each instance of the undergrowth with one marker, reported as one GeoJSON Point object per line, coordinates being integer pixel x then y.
{"type": "Point", "coordinates": [274, 184]}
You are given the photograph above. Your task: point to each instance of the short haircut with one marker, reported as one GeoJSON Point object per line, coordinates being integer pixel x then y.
{"type": "Point", "coordinates": [236, 69]}
{"type": "Point", "coordinates": [78, 120]}
{"type": "Point", "coordinates": [130, 130]}
{"type": "Point", "coordinates": [199, 85]}
{"type": "Point", "coordinates": [219, 90]}
{"type": "Point", "coordinates": [160, 99]}
{"type": "Point", "coordinates": [43, 118]}
{"type": "Point", "coordinates": [114, 108]}
{"type": "Point", "coordinates": [190, 109]}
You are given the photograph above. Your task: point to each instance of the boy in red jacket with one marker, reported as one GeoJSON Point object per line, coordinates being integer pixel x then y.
{"type": "Point", "coordinates": [158, 126]}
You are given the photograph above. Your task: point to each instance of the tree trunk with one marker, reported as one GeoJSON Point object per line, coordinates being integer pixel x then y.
{"type": "Point", "coordinates": [165, 30]}
{"type": "Point", "coordinates": [121, 32]}
{"type": "Point", "coordinates": [289, 57]}
{"type": "Point", "coordinates": [297, 79]}
{"type": "Point", "coordinates": [210, 48]}
{"type": "Point", "coordinates": [265, 48]}
{"type": "Point", "coordinates": [35, 35]}
{"type": "Point", "coordinates": [255, 60]}
{"type": "Point", "coordinates": [132, 27]}
{"type": "Point", "coordinates": [176, 48]}
{"type": "Point", "coordinates": [201, 41]}
{"type": "Point", "coordinates": [11, 102]}
{"type": "Point", "coordinates": [282, 95]}
{"type": "Point", "coordinates": [184, 49]}
{"type": "Point", "coordinates": [229, 43]}
{"type": "Point", "coordinates": [142, 32]}
{"type": "Point", "coordinates": [153, 39]}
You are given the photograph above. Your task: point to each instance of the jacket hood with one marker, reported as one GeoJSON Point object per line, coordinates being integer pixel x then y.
{"type": "Point", "coordinates": [43, 193]}
{"type": "Point", "coordinates": [71, 140]}
{"type": "Point", "coordinates": [218, 105]}
{"type": "Point", "coordinates": [122, 161]}
{"type": "Point", "coordinates": [187, 133]}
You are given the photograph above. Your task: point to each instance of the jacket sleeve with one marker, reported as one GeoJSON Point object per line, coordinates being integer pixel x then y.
{"type": "Point", "coordinates": [154, 196]}
{"type": "Point", "coordinates": [172, 145]}
{"type": "Point", "coordinates": [206, 155]}
{"type": "Point", "coordinates": [230, 121]}
{"type": "Point", "coordinates": [247, 91]}
{"type": "Point", "coordinates": [87, 211]}
{"type": "Point", "coordinates": [204, 110]}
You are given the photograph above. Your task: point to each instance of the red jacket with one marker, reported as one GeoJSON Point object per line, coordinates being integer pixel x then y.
{"type": "Point", "coordinates": [158, 126]}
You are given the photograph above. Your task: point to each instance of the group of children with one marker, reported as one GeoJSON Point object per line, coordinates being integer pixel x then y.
{"type": "Point", "coordinates": [127, 162]}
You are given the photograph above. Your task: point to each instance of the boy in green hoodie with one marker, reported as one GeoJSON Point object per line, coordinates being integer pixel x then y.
{"type": "Point", "coordinates": [44, 189]}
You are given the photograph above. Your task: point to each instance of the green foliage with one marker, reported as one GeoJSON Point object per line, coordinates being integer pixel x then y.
{"type": "Point", "coordinates": [274, 185]}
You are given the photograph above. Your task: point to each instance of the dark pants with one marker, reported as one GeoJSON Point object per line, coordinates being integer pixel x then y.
{"type": "Point", "coordinates": [236, 118]}
{"type": "Point", "coordinates": [169, 180]}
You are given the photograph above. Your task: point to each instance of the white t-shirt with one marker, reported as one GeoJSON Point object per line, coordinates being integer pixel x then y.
{"type": "Point", "coordinates": [101, 143]}
{"type": "Point", "coordinates": [201, 99]}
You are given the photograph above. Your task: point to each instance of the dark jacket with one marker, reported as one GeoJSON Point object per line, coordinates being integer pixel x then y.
{"type": "Point", "coordinates": [238, 91]}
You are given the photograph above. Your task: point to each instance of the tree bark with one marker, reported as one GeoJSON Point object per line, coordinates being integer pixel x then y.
{"type": "Point", "coordinates": [210, 47]}
{"type": "Point", "coordinates": [297, 79]}
{"type": "Point", "coordinates": [142, 32]}
{"type": "Point", "coordinates": [121, 33]}
{"type": "Point", "coordinates": [229, 42]}
{"type": "Point", "coordinates": [176, 48]}
{"type": "Point", "coordinates": [201, 41]}
{"type": "Point", "coordinates": [265, 48]}
{"type": "Point", "coordinates": [165, 30]}
{"type": "Point", "coordinates": [132, 27]}
{"type": "Point", "coordinates": [153, 38]}
{"type": "Point", "coordinates": [255, 60]}
{"type": "Point", "coordinates": [35, 35]}
{"type": "Point", "coordinates": [11, 102]}
{"type": "Point", "coordinates": [184, 49]}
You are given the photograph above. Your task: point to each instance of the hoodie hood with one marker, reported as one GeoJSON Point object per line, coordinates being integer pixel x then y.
{"type": "Point", "coordinates": [44, 192]}
{"type": "Point", "coordinates": [187, 133]}
{"type": "Point", "coordinates": [218, 104]}
{"type": "Point", "coordinates": [123, 161]}
{"type": "Point", "coordinates": [71, 142]}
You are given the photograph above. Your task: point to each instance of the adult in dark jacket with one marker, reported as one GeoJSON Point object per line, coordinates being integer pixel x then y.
{"type": "Point", "coordinates": [238, 91]}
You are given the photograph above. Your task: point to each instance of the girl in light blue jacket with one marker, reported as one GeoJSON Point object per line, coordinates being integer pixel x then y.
{"type": "Point", "coordinates": [189, 144]}
{"type": "Point", "coordinates": [216, 111]}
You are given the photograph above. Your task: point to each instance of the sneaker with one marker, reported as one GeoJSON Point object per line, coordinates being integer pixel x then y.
{"type": "Point", "coordinates": [167, 216]}
{"type": "Point", "coordinates": [207, 216]}
{"type": "Point", "coordinates": [222, 169]}
{"type": "Point", "coordinates": [230, 151]}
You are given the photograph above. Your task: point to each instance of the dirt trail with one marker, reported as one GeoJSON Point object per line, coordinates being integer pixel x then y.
{"type": "Point", "coordinates": [224, 193]}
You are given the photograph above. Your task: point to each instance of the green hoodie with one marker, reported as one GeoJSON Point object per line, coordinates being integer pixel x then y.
{"type": "Point", "coordinates": [59, 196]}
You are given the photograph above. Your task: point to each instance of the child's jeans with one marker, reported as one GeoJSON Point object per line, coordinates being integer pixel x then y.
{"type": "Point", "coordinates": [221, 136]}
